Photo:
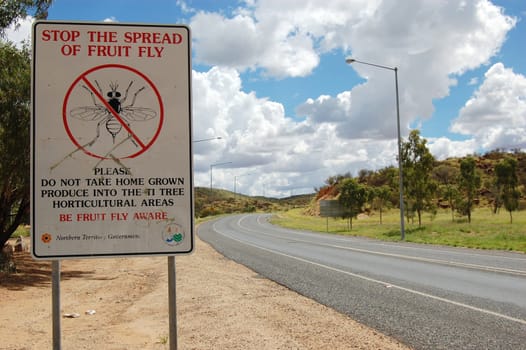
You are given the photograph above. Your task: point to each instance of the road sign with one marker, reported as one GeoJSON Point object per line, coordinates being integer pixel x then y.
{"type": "Point", "coordinates": [331, 208]}
{"type": "Point", "coordinates": [111, 169]}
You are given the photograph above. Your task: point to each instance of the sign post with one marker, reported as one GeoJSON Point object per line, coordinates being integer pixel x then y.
{"type": "Point", "coordinates": [111, 162]}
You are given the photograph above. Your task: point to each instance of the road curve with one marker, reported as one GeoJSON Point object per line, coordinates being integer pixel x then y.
{"type": "Point", "coordinates": [428, 297]}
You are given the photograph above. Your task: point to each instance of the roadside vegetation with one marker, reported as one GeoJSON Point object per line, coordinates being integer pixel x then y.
{"type": "Point", "coordinates": [477, 201]}
{"type": "Point", "coordinates": [486, 231]}
{"type": "Point", "coordinates": [463, 202]}
{"type": "Point", "coordinates": [219, 202]}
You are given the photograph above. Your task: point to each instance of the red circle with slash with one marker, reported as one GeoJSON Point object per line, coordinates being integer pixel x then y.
{"type": "Point", "coordinates": [104, 103]}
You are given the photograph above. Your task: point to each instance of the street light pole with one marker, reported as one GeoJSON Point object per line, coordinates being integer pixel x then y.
{"type": "Point", "coordinates": [350, 60]}
{"type": "Point", "coordinates": [209, 139]}
{"type": "Point", "coordinates": [213, 165]}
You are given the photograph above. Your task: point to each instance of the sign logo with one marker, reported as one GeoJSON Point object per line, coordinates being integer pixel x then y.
{"type": "Point", "coordinates": [46, 238]}
{"type": "Point", "coordinates": [173, 234]}
{"type": "Point", "coordinates": [102, 107]}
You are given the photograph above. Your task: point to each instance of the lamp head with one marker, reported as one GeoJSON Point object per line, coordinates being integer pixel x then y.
{"type": "Point", "coordinates": [349, 60]}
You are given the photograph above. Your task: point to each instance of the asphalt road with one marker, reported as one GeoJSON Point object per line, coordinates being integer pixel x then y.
{"type": "Point", "coordinates": [428, 297]}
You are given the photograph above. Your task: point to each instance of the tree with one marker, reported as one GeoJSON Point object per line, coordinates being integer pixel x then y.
{"type": "Point", "coordinates": [380, 197]}
{"type": "Point", "coordinates": [13, 10]}
{"type": "Point", "coordinates": [451, 194]}
{"type": "Point", "coordinates": [496, 192]}
{"type": "Point", "coordinates": [507, 181]}
{"type": "Point", "coordinates": [417, 163]}
{"type": "Point", "coordinates": [15, 88]}
{"type": "Point", "coordinates": [352, 197]}
{"type": "Point", "coordinates": [468, 185]}
{"type": "Point", "coordinates": [446, 175]}
{"type": "Point", "coordinates": [364, 176]}
{"type": "Point", "coordinates": [15, 85]}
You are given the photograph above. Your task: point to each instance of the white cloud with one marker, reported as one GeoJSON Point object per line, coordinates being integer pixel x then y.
{"type": "Point", "coordinates": [20, 32]}
{"type": "Point", "coordinates": [282, 155]}
{"type": "Point", "coordinates": [254, 131]}
{"type": "Point", "coordinates": [496, 114]}
{"type": "Point", "coordinates": [326, 109]}
{"type": "Point", "coordinates": [438, 42]}
{"type": "Point", "coordinates": [240, 42]}
{"type": "Point", "coordinates": [443, 148]}
{"type": "Point", "coordinates": [285, 39]}
{"type": "Point", "coordinates": [441, 39]}
{"type": "Point", "coordinates": [185, 8]}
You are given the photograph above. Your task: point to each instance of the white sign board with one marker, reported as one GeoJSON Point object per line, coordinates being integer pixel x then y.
{"type": "Point", "coordinates": [111, 169]}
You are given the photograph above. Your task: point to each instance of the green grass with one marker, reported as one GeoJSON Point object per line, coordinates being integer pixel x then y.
{"type": "Point", "coordinates": [21, 231]}
{"type": "Point", "coordinates": [486, 230]}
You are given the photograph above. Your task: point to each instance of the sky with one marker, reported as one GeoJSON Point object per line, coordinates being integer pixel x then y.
{"type": "Point", "coordinates": [271, 88]}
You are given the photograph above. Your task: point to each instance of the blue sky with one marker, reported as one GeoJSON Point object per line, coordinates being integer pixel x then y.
{"type": "Point", "coordinates": [270, 79]}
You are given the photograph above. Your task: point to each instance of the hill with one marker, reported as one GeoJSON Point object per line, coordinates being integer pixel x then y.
{"type": "Point", "coordinates": [485, 165]}
{"type": "Point", "coordinates": [217, 201]}
{"type": "Point", "coordinates": [445, 172]}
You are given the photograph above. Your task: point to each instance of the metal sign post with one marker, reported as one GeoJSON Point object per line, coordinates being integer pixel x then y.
{"type": "Point", "coordinates": [111, 161]}
{"type": "Point", "coordinates": [55, 296]}
{"type": "Point", "coordinates": [172, 304]}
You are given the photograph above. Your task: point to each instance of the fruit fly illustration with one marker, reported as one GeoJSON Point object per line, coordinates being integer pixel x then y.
{"type": "Point", "coordinates": [99, 112]}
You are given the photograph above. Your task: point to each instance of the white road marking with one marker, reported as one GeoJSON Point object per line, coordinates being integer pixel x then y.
{"type": "Point", "coordinates": [400, 256]}
{"type": "Point", "coordinates": [383, 283]}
